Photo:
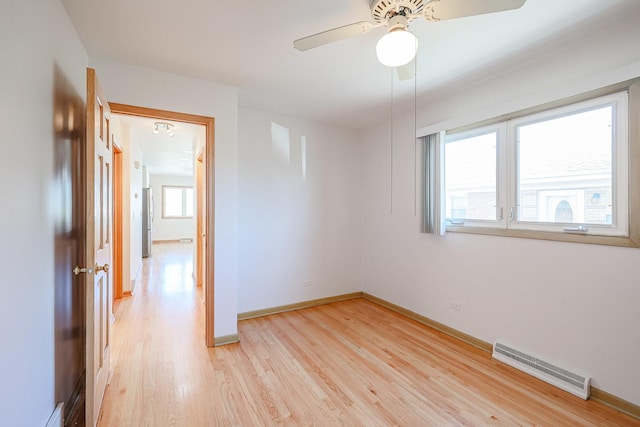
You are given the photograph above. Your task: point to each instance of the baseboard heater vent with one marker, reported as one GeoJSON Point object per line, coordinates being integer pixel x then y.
{"type": "Point", "coordinates": [574, 383]}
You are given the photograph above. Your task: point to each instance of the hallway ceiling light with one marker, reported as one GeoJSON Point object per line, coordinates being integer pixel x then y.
{"type": "Point", "coordinates": [168, 127]}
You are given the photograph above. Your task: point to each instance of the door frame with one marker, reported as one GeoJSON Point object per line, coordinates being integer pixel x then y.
{"type": "Point", "coordinates": [117, 222]}
{"type": "Point", "coordinates": [199, 273]}
{"type": "Point", "coordinates": [209, 195]}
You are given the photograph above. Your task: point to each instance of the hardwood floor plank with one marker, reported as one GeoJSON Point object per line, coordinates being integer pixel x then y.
{"type": "Point", "coordinates": [348, 363]}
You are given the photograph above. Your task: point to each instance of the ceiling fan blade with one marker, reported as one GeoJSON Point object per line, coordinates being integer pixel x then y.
{"type": "Point", "coordinates": [441, 10]}
{"type": "Point", "coordinates": [331, 36]}
{"type": "Point", "coordinates": [406, 71]}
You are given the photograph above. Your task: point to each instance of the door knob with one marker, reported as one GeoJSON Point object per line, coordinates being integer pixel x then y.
{"type": "Point", "coordinates": [79, 270]}
{"type": "Point", "coordinates": [104, 268]}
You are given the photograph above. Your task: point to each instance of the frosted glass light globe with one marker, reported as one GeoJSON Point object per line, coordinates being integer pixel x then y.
{"type": "Point", "coordinates": [397, 48]}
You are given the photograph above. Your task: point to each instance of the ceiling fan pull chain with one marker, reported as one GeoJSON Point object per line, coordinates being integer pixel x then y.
{"type": "Point", "coordinates": [415, 139]}
{"type": "Point", "coordinates": [391, 144]}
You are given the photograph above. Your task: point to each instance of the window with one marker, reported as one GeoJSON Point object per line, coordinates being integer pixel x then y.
{"type": "Point", "coordinates": [564, 170]}
{"type": "Point", "coordinates": [471, 176]}
{"type": "Point", "coordinates": [177, 202]}
{"type": "Point", "coordinates": [566, 157]}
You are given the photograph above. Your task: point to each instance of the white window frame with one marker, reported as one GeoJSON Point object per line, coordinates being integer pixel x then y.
{"type": "Point", "coordinates": [183, 189]}
{"type": "Point", "coordinates": [501, 172]}
{"type": "Point", "coordinates": [626, 156]}
{"type": "Point", "coordinates": [619, 169]}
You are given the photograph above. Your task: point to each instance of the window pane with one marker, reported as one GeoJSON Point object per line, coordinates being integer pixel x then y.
{"type": "Point", "coordinates": [188, 208]}
{"type": "Point", "coordinates": [565, 169]}
{"type": "Point", "coordinates": [172, 201]}
{"type": "Point", "coordinates": [470, 178]}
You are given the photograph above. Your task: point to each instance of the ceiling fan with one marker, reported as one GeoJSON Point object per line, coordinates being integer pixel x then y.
{"type": "Point", "coordinates": [399, 46]}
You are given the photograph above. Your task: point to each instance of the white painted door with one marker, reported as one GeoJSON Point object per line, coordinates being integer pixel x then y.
{"type": "Point", "coordinates": [98, 244]}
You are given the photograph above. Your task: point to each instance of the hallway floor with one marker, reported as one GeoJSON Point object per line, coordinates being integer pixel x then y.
{"type": "Point", "coordinates": [158, 351]}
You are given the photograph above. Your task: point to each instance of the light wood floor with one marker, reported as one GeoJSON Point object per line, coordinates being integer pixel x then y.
{"type": "Point", "coordinates": [350, 363]}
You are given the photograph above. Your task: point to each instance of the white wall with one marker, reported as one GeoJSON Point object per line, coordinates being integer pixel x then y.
{"type": "Point", "coordinates": [299, 214]}
{"type": "Point", "coordinates": [134, 190]}
{"type": "Point", "coordinates": [171, 228]}
{"type": "Point", "coordinates": [574, 304]}
{"type": "Point", "coordinates": [36, 37]}
{"type": "Point", "coordinates": [597, 56]}
{"type": "Point", "coordinates": [131, 204]}
{"type": "Point", "coordinates": [154, 89]}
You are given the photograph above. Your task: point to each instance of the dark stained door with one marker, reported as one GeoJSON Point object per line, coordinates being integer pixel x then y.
{"type": "Point", "coordinates": [67, 202]}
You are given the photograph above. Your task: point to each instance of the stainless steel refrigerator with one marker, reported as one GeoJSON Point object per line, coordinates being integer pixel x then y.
{"type": "Point", "coordinates": [147, 221]}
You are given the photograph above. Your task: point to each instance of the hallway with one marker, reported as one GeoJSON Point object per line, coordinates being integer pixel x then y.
{"type": "Point", "coordinates": [158, 347]}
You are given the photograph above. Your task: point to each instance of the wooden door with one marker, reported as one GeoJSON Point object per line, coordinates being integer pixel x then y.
{"type": "Point", "coordinates": [98, 244]}
{"type": "Point", "coordinates": [67, 193]}
{"type": "Point", "coordinates": [200, 215]}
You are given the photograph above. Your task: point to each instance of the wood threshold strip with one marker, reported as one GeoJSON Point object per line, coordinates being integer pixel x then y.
{"type": "Point", "coordinates": [598, 395]}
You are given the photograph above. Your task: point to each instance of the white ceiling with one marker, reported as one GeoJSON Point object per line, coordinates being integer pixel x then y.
{"type": "Point", "coordinates": [248, 44]}
{"type": "Point", "coordinates": [163, 154]}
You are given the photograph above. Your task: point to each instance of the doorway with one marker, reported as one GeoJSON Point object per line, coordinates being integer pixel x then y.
{"type": "Point", "coordinates": [207, 220]}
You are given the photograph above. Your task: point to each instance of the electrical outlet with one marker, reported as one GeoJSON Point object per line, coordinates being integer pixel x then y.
{"type": "Point", "coordinates": [455, 305]}
{"type": "Point", "coordinates": [307, 283]}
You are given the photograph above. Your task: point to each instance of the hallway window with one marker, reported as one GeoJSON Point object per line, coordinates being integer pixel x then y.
{"type": "Point", "coordinates": [177, 202]}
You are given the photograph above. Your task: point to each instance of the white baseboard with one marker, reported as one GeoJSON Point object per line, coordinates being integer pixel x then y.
{"type": "Point", "coordinates": [135, 277]}
{"type": "Point", "coordinates": [57, 418]}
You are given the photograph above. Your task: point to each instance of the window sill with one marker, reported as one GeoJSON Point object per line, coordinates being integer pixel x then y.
{"type": "Point", "coordinates": [628, 242]}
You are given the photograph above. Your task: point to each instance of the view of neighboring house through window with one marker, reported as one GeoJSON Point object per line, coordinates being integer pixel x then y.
{"type": "Point", "coordinates": [177, 202]}
{"type": "Point", "coordinates": [563, 170]}
{"type": "Point", "coordinates": [471, 176]}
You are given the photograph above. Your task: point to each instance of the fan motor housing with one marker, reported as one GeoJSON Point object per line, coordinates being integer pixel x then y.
{"type": "Point", "coordinates": [382, 10]}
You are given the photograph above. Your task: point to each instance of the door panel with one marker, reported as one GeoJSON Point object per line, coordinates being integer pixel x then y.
{"type": "Point", "coordinates": [68, 207]}
{"type": "Point", "coordinates": [98, 240]}
{"type": "Point", "coordinates": [200, 215]}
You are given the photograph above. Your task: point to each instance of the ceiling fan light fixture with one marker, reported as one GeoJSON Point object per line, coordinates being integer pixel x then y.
{"type": "Point", "coordinates": [397, 48]}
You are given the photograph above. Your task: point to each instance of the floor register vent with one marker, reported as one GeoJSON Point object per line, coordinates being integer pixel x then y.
{"type": "Point", "coordinates": [566, 380]}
